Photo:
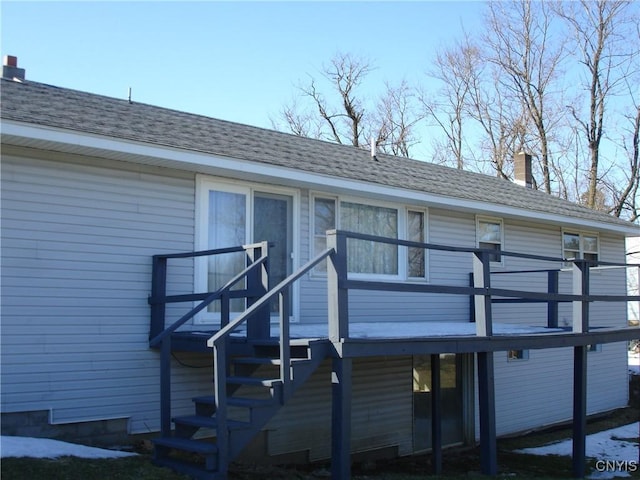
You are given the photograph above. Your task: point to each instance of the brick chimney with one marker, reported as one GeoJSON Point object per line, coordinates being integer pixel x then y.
{"type": "Point", "coordinates": [522, 169]}
{"type": "Point", "coordinates": [10, 69]}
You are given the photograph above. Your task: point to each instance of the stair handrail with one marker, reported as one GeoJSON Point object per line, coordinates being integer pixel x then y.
{"type": "Point", "coordinates": [210, 298]}
{"type": "Point", "coordinates": [218, 342]}
{"type": "Point", "coordinates": [236, 322]}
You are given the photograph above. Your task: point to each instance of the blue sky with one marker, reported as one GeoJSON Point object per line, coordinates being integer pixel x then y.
{"type": "Point", "coordinates": [238, 61]}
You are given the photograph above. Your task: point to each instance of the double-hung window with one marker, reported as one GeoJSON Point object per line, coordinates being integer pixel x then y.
{"type": "Point", "coordinates": [365, 257]}
{"type": "Point", "coordinates": [490, 235]}
{"type": "Point", "coordinates": [578, 245]}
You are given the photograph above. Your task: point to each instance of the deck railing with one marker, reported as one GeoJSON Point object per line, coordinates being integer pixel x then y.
{"type": "Point", "coordinates": [484, 295]}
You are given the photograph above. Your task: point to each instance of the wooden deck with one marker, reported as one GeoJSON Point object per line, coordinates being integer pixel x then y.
{"type": "Point", "coordinates": [251, 339]}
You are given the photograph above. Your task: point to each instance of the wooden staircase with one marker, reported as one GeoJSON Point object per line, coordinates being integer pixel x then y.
{"type": "Point", "coordinates": [254, 373]}
{"type": "Point", "coordinates": [254, 394]}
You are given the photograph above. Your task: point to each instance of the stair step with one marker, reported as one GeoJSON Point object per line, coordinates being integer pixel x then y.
{"type": "Point", "coordinates": [187, 444]}
{"type": "Point", "coordinates": [191, 469]}
{"type": "Point", "coordinates": [267, 360]}
{"type": "Point", "coordinates": [208, 422]}
{"type": "Point", "coordinates": [265, 382]}
{"type": "Point", "coordinates": [250, 402]}
{"type": "Point", "coordinates": [205, 399]}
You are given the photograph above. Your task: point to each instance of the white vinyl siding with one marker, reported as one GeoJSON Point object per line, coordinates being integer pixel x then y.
{"type": "Point", "coordinates": [77, 241]}
{"type": "Point", "coordinates": [78, 235]}
{"type": "Point", "coordinates": [542, 386]}
{"type": "Point", "coordinates": [382, 417]}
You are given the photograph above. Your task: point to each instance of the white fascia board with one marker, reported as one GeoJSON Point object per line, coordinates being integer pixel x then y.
{"type": "Point", "coordinates": [208, 163]}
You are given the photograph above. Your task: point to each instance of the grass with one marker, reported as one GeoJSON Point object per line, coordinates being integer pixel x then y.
{"type": "Point", "coordinates": [458, 464]}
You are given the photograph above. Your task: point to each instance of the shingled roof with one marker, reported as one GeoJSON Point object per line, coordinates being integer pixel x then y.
{"type": "Point", "coordinates": [40, 104]}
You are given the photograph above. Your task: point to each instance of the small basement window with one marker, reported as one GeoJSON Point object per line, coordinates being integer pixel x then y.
{"type": "Point", "coordinates": [517, 355]}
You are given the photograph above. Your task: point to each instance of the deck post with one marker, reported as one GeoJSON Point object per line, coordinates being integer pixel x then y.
{"type": "Point", "coordinates": [338, 294]}
{"type": "Point", "coordinates": [580, 325]}
{"type": "Point", "coordinates": [552, 306]}
{"type": "Point", "coordinates": [436, 415]}
{"type": "Point", "coordinates": [341, 390]}
{"type": "Point", "coordinates": [258, 327]}
{"type": "Point", "coordinates": [486, 380]}
{"type": "Point", "coordinates": [165, 387]}
{"type": "Point", "coordinates": [482, 302]}
{"type": "Point", "coordinates": [158, 293]}
{"type": "Point", "coordinates": [220, 391]}
{"type": "Point", "coordinates": [579, 410]}
{"type": "Point", "coordinates": [487, 404]}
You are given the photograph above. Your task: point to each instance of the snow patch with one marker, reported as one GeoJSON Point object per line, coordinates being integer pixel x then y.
{"type": "Point", "coordinates": [48, 448]}
{"type": "Point", "coordinates": [609, 445]}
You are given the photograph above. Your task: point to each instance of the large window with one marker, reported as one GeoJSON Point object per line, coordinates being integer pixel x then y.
{"type": "Point", "coordinates": [489, 233]}
{"type": "Point", "coordinates": [577, 245]}
{"type": "Point", "coordinates": [366, 257]}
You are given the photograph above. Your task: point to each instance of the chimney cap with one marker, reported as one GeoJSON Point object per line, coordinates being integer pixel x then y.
{"type": "Point", "coordinates": [10, 61]}
{"type": "Point", "coordinates": [10, 69]}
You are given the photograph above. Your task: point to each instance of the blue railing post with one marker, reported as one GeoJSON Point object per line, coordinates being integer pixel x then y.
{"type": "Point", "coordinates": [285, 352]}
{"type": "Point", "coordinates": [258, 327]}
{"type": "Point", "coordinates": [338, 308]}
{"type": "Point", "coordinates": [553, 286]}
{"type": "Point", "coordinates": [482, 302]}
{"type": "Point", "coordinates": [581, 288]}
{"type": "Point", "coordinates": [158, 293]}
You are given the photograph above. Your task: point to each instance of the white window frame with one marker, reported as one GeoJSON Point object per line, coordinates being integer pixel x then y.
{"type": "Point", "coordinates": [484, 219]}
{"type": "Point", "coordinates": [581, 234]}
{"type": "Point", "coordinates": [205, 183]}
{"type": "Point", "coordinates": [402, 212]}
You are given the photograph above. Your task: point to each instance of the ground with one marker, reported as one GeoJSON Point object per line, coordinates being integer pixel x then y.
{"type": "Point", "coordinates": [458, 463]}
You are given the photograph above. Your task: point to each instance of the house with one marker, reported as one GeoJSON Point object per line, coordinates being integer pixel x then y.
{"type": "Point", "coordinates": [380, 338]}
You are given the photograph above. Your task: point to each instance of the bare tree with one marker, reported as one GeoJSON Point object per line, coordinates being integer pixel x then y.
{"type": "Point", "coordinates": [603, 46]}
{"type": "Point", "coordinates": [519, 39]}
{"type": "Point", "coordinates": [454, 67]}
{"type": "Point", "coordinates": [341, 114]}
{"type": "Point", "coordinates": [338, 116]}
{"type": "Point", "coordinates": [625, 193]}
{"type": "Point", "coordinates": [396, 119]}
{"type": "Point", "coordinates": [502, 122]}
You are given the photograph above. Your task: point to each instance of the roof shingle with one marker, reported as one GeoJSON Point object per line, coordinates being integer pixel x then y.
{"type": "Point", "coordinates": [46, 105]}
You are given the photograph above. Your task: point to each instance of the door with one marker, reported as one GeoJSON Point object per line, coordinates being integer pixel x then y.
{"type": "Point", "coordinates": [272, 215]}
{"type": "Point", "coordinates": [231, 215]}
{"type": "Point", "coordinates": [451, 378]}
